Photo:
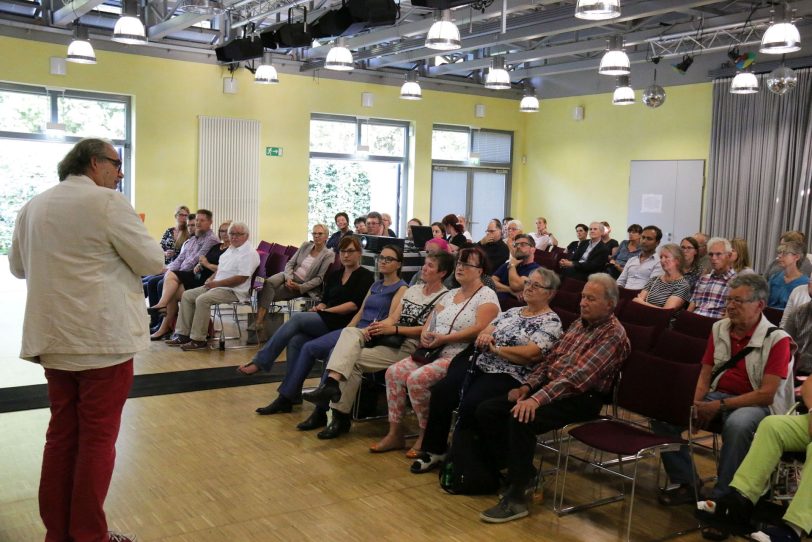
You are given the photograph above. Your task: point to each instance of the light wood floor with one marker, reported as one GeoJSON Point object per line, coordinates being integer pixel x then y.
{"type": "Point", "coordinates": [203, 467]}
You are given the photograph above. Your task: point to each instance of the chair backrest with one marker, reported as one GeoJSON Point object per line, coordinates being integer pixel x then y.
{"type": "Point", "coordinates": [264, 246]}
{"type": "Point", "coordinates": [510, 302]}
{"type": "Point", "coordinates": [336, 265]}
{"type": "Point", "coordinates": [570, 301]}
{"type": "Point", "coordinates": [675, 346]}
{"type": "Point", "coordinates": [643, 315]}
{"type": "Point", "coordinates": [773, 315]}
{"type": "Point", "coordinates": [276, 248]}
{"type": "Point", "coordinates": [262, 269]}
{"type": "Point", "coordinates": [693, 324]}
{"type": "Point", "coordinates": [658, 388]}
{"type": "Point", "coordinates": [290, 250]}
{"type": "Point", "coordinates": [567, 317]}
{"type": "Point", "coordinates": [640, 337]}
{"type": "Point", "coordinates": [275, 264]}
{"type": "Point", "coordinates": [559, 252]}
{"type": "Point", "coordinates": [625, 293]}
{"type": "Point", "coordinates": [548, 260]}
{"type": "Point", "coordinates": [572, 285]}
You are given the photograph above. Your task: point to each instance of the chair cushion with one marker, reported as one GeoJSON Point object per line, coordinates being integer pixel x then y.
{"type": "Point", "coordinates": [620, 438]}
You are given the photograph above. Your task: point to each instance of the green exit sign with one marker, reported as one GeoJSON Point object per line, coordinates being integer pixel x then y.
{"type": "Point", "coordinates": [273, 151]}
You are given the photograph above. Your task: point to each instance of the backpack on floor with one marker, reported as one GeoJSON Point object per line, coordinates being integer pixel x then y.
{"type": "Point", "coordinates": [465, 470]}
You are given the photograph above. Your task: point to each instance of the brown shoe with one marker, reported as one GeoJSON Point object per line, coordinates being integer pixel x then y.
{"type": "Point", "coordinates": [194, 345]}
{"type": "Point", "coordinates": [178, 340]}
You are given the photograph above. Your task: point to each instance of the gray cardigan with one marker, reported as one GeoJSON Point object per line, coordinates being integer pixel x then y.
{"type": "Point", "coordinates": [315, 276]}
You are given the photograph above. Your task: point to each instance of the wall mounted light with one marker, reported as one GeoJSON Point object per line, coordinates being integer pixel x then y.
{"type": "Point", "coordinates": [597, 10]}
{"type": "Point", "coordinates": [411, 88]}
{"type": "Point", "coordinates": [744, 83]}
{"type": "Point", "coordinates": [624, 93]}
{"type": "Point", "coordinates": [80, 50]}
{"type": "Point", "coordinates": [444, 34]}
{"type": "Point", "coordinates": [339, 58]}
{"type": "Point", "coordinates": [266, 74]}
{"type": "Point", "coordinates": [782, 36]}
{"type": "Point", "coordinates": [498, 77]}
{"type": "Point", "coordinates": [615, 61]}
{"type": "Point", "coordinates": [129, 29]}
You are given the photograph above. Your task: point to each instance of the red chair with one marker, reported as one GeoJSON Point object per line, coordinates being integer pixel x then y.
{"type": "Point", "coordinates": [567, 317]}
{"type": "Point", "coordinates": [335, 266]}
{"type": "Point", "coordinates": [572, 285]}
{"type": "Point", "coordinates": [640, 337]}
{"type": "Point", "coordinates": [548, 260]}
{"type": "Point", "coordinates": [567, 300]}
{"type": "Point", "coordinates": [663, 390]}
{"type": "Point", "coordinates": [275, 264]}
{"type": "Point", "coordinates": [627, 294]}
{"type": "Point", "coordinates": [694, 325]}
{"type": "Point", "coordinates": [773, 315]}
{"type": "Point", "coordinates": [510, 302]}
{"type": "Point", "coordinates": [643, 315]}
{"type": "Point", "coordinates": [675, 346]}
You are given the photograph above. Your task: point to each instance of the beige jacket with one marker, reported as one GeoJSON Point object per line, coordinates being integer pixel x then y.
{"type": "Point", "coordinates": [82, 250]}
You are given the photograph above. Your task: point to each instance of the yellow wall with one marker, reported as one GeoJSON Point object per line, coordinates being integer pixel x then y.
{"type": "Point", "coordinates": [574, 172]}
{"type": "Point", "coordinates": [169, 96]}
{"type": "Point", "coordinates": [578, 171]}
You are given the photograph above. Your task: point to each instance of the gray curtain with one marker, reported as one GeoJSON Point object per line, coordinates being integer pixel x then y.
{"type": "Point", "coordinates": [760, 167]}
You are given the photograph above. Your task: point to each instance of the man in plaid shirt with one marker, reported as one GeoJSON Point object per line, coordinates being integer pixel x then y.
{"type": "Point", "coordinates": [569, 386]}
{"type": "Point", "coordinates": [710, 292]}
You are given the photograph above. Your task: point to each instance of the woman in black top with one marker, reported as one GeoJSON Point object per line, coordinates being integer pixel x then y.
{"type": "Point", "coordinates": [453, 230]}
{"type": "Point", "coordinates": [344, 292]}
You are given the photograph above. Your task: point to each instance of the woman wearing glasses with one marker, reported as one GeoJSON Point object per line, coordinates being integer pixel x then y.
{"type": "Point", "coordinates": [671, 290]}
{"type": "Point", "coordinates": [174, 286]}
{"type": "Point", "coordinates": [176, 235]}
{"type": "Point", "coordinates": [455, 322]}
{"type": "Point", "coordinates": [690, 253]}
{"type": "Point", "coordinates": [303, 273]}
{"type": "Point", "coordinates": [303, 351]}
{"type": "Point", "coordinates": [510, 347]}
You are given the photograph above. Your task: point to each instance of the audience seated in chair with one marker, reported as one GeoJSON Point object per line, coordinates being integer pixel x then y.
{"type": "Point", "coordinates": [670, 290]}
{"type": "Point", "coordinates": [791, 236]}
{"type": "Point", "coordinates": [799, 326]}
{"type": "Point", "coordinates": [590, 257]}
{"type": "Point", "coordinates": [231, 282]}
{"type": "Point", "coordinates": [303, 275]}
{"type": "Point", "coordinates": [646, 265]}
{"type": "Point", "coordinates": [740, 256]}
{"type": "Point", "coordinates": [454, 323]}
{"type": "Point", "coordinates": [509, 277]}
{"type": "Point", "coordinates": [342, 221]}
{"type": "Point", "coordinates": [381, 344]}
{"type": "Point", "coordinates": [302, 351]}
{"type": "Point", "coordinates": [789, 277]}
{"type": "Point", "coordinates": [374, 224]}
{"type": "Point", "coordinates": [582, 236]}
{"type": "Point", "coordinates": [568, 386]}
{"type": "Point", "coordinates": [154, 284]}
{"type": "Point", "coordinates": [737, 390]}
{"type": "Point", "coordinates": [174, 236]}
{"type": "Point", "coordinates": [710, 293]}
{"type": "Point", "coordinates": [509, 349]}
{"type": "Point", "coordinates": [542, 237]}
{"type": "Point", "coordinates": [627, 248]}
{"type": "Point", "coordinates": [496, 250]}
{"type": "Point", "coordinates": [690, 252]}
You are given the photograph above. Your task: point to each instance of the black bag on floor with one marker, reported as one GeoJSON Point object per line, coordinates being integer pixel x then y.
{"type": "Point", "coordinates": [272, 322]}
{"type": "Point", "coordinates": [465, 470]}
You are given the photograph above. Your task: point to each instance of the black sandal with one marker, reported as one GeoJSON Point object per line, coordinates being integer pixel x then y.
{"type": "Point", "coordinates": [684, 494]}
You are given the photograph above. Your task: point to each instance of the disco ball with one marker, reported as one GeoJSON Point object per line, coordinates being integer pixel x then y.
{"type": "Point", "coordinates": [781, 80]}
{"type": "Point", "coordinates": [654, 96]}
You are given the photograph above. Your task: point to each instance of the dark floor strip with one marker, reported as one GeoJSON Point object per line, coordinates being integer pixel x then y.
{"type": "Point", "coordinates": [36, 396]}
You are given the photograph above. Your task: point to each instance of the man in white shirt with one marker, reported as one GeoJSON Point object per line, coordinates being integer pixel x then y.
{"type": "Point", "coordinates": [231, 282]}
{"type": "Point", "coordinates": [639, 269]}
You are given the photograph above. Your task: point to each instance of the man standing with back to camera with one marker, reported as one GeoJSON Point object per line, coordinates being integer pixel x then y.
{"type": "Point", "coordinates": [82, 250]}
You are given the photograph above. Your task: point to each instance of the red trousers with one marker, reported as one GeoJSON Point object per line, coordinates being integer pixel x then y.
{"type": "Point", "coordinates": [80, 450]}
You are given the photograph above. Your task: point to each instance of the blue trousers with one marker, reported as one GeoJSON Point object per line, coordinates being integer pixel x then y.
{"type": "Point", "coordinates": [153, 288]}
{"type": "Point", "coordinates": [293, 334]}
{"type": "Point", "coordinates": [299, 367]}
{"type": "Point", "coordinates": [738, 427]}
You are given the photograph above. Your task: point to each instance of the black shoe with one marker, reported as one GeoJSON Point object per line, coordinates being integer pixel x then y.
{"type": "Point", "coordinates": [324, 394]}
{"type": "Point", "coordinates": [280, 404]}
{"type": "Point", "coordinates": [317, 419]}
{"type": "Point", "coordinates": [339, 425]}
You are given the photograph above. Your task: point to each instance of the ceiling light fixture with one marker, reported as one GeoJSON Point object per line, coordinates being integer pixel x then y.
{"type": "Point", "coordinates": [597, 10]}
{"type": "Point", "coordinates": [444, 34]}
{"type": "Point", "coordinates": [80, 50]}
{"type": "Point", "coordinates": [744, 83]}
{"type": "Point", "coordinates": [654, 95]}
{"type": "Point", "coordinates": [781, 37]}
{"type": "Point", "coordinates": [529, 103]}
{"type": "Point", "coordinates": [339, 58]}
{"type": "Point", "coordinates": [129, 29]}
{"type": "Point", "coordinates": [624, 93]}
{"type": "Point", "coordinates": [683, 65]}
{"type": "Point", "coordinates": [411, 88]}
{"type": "Point", "coordinates": [498, 77]}
{"type": "Point", "coordinates": [781, 80]}
{"type": "Point", "coordinates": [266, 73]}
{"type": "Point", "coordinates": [615, 61]}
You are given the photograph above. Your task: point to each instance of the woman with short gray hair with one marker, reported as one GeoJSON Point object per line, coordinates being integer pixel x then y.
{"type": "Point", "coordinates": [790, 256]}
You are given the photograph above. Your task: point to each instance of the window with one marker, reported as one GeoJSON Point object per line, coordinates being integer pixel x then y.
{"type": "Point", "coordinates": [357, 166]}
{"type": "Point", "coordinates": [29, 155]}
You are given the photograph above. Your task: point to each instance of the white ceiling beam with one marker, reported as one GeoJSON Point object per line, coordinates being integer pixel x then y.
{"type": "Point", "coordinates": [68, 13]}
{"type": "Point", "coordinates": [176, 24]}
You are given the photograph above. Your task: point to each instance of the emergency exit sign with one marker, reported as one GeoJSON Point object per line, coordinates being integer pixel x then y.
{"type": "Point", "coordinates": [273, 151]}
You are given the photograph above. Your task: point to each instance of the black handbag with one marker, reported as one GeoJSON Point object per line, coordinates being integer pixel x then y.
{"type": "Point", "coordinates": [427, 355]}
{"type": "Point", "coordinates": [396, 340]}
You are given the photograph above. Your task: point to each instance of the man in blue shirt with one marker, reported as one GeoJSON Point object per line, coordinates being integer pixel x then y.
{"type": "Point", "coordinates": [509, 277]}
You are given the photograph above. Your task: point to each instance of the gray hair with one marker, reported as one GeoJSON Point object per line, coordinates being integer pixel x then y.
{"type": "Point", "coordinates": [241, 225]}
{"type": "Point", "coordinates": [517, 223]}
{"type": "Point", "coordinates": [77, 161]}
{"type": "Point", "coordinates": [720, 241]}
{"type": "Point", "coordinates": [526, 237]}
{"type": "Point", "coordinates": [676, 253]}
{"type": "Point", "coordinates": [323, 227]}
{"type": "Point", "coordinates": [548, 278]}
{"type": "Point", "coordinates": [600, 224]}
{"type": "Point", "coordinates": [756, 283]}
{"type": "Point", "coordinates": [609, 286]}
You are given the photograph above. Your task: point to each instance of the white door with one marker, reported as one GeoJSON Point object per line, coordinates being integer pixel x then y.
{"type": "Point", "coordinates": [668, 194]}
{"type": "Point", "coordinates": [449, 192]}
{"type": "Point", "coordinates": [479, 194]}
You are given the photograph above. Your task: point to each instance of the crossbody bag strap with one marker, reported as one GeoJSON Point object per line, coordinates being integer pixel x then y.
{"type": "Point", "coordinates": [741, 354]}
{"type": "Point", "coordinates": [451, 327]}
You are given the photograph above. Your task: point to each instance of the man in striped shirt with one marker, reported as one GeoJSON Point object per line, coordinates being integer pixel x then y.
{"type": "Point", "coordinates": [569, 386]}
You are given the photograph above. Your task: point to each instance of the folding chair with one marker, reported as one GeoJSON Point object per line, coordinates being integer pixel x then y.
{"type": "Point", "coordinates": [640, 337]}
{"type": "Point", "coordinates": [663, 390]}
{"type": "Point", "coordinates": [643, 315]}
{"type": "Point", "coordinates": [256, 283]}
{"type": "Point", "coordinates": [675, 346]}
{"type": "Point", "coordinates": [693, 324]}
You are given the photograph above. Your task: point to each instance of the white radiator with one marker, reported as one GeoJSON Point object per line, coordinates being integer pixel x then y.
{"type": "Point", "coordinates": [228, 178]}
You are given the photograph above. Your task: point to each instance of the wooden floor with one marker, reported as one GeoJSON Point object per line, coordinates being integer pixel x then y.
{"type": "Point", "coordinates": [203, 467]}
